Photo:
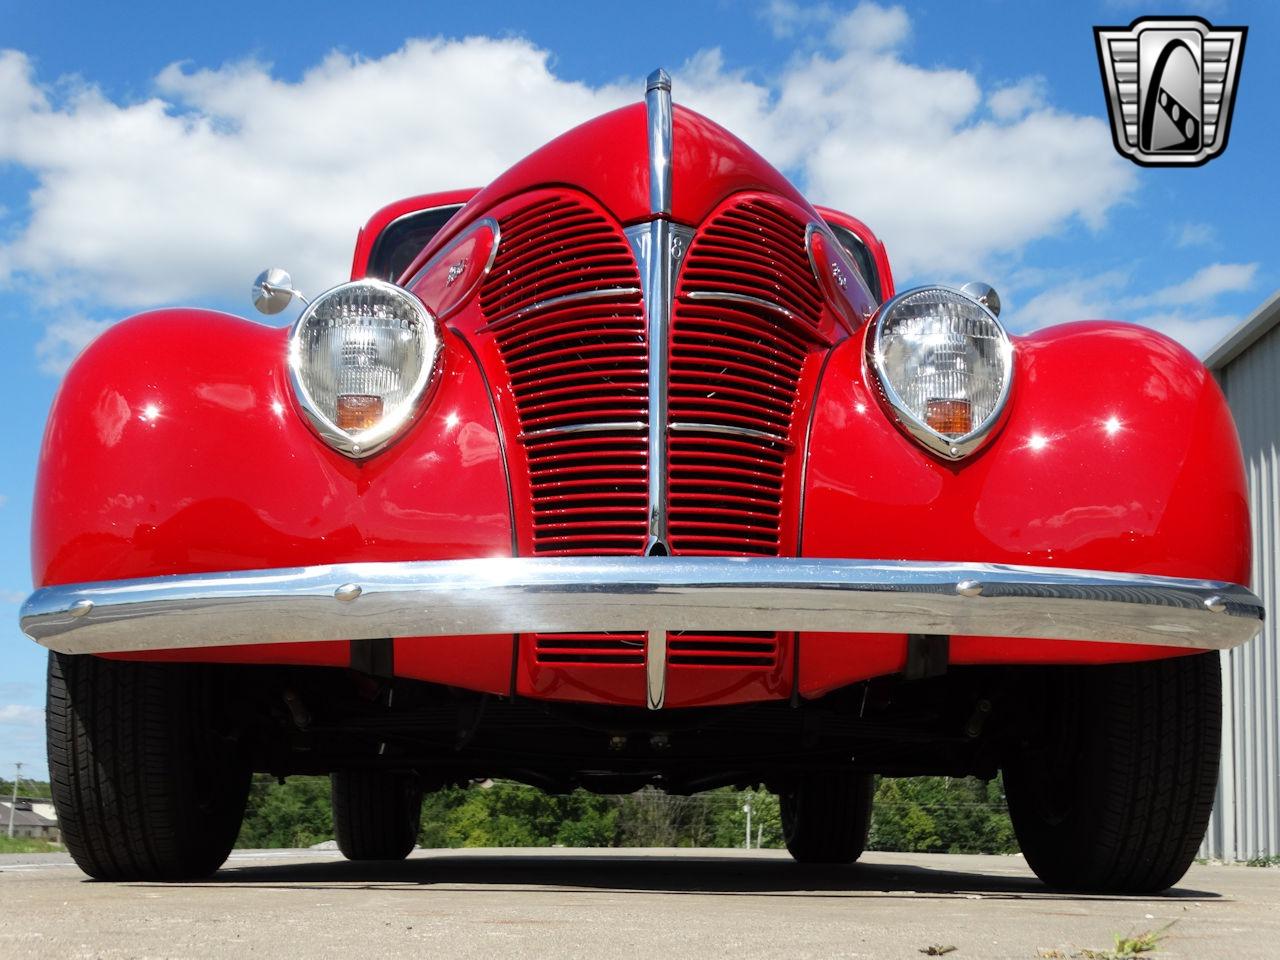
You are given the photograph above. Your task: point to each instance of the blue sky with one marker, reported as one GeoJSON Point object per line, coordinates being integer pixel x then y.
{"type": "Point", "coordinates": [141, 153]}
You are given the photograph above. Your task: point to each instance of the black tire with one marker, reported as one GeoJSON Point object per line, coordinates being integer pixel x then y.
{"type": "Point", "coordinates": [376, 814]}
{"type": "Point", "coordinates": [826, 816]}
{"type": "Point", "coordinates": [144, 787]}
{"type": "Point", "coordinates": [1114, 791]}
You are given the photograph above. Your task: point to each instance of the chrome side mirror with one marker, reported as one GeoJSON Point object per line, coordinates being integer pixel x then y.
{"type": "Point", "coordinates": [273, 291]}
{"type": "Point", "coordinates": [984, 293]}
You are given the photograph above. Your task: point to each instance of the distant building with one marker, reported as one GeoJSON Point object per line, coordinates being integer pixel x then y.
{"type": "Point", "coordinates": [1246, 815]}
{"type": "Point", "coordinates": [28, 821]}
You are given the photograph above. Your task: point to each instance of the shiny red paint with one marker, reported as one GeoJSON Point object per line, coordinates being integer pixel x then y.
{"type": "Point", "coordinates": [606, 159]}
{"type": "Point", "coordinates": [368, 234]}
{"type": "Point", "coordinates": [624, 683]}
{"type": "Point", "coordinates": [1139, 472]}
{"type": "Point", "coordinates": [450, 278]}
{"type": "Point", "coordinates": [175, 446]}
{"type": "Point", "coordinates": [705, 686]}
{"type": "Point", "coordinates": [846, 291]}
{"type": "Point", "coordinates": [687, 686]}
{"type": "Point", "coordinates": [873, 243]}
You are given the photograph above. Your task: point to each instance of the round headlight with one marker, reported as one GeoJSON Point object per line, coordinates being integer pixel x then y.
{"type": "Point", "coordinates": [361, 357]}
{"type": "Point", "coordinates": [945, 365]}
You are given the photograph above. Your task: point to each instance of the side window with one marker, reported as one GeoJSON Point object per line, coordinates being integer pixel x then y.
{"type": "Point", "coordinates": [862, 258]}
{"type": "Point", "coordinates": [403, 239]}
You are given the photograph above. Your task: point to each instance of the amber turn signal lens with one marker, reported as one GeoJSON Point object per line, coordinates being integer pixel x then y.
{"type": "Point", "coordinates": [949, 417]}
{"type": "Point", "coordinates": [358, 411]}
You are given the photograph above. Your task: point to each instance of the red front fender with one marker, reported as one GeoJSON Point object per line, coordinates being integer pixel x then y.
{"type": "Point", "coordinates": [174, 446]}
{"type": "Point", "coordinates": [1118, 453]}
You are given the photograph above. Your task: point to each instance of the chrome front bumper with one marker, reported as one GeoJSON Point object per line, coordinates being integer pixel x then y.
{"type": "Point", "coordinates": [365, 601]}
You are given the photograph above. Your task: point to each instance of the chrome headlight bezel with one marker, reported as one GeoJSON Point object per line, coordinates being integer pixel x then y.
{"type": "Point", "coordinates": [950, 448]}
{"type": "Point", "coordinates": [366, 442]}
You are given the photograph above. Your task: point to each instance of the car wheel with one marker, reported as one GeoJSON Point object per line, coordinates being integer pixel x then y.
{"type": "Point", "coordinates": [1113, 792]}
{"type": "Point", "coordinates": [376, 814]}
{"type": "Point", "coordinates": [826, 816]}
{"type": "Point", "coordinates": [144, 787]}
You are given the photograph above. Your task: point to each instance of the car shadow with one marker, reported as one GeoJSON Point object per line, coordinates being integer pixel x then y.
{"type": "Point", "coordinates": [717, 875]}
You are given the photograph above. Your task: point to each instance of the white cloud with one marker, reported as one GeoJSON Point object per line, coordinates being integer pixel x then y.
{"type": "Point", "coordinates": [1016, 100]}
{"type": "Point", "coordinates": [786, 18]}
{"type": "Point", "coordinates": [1194, 235]}
{"type": "Point", "coordinates": [21, 715]}
{"type": "Point", "coordinates": [63, 340]}
{"type": "Point", "coordinates": [190, 193]}
{"type": "Point", "coordinates": [872, 27]}
{"type": "Point", "coordinates": [1195, 331]}
{"type": "Point", "coordinates": [864, 128]}
{"type": "Point", "coordinates": [1205, 284]}
{"type": "Point", "coordinates": [184, 196]}
{"type": "Point", "coordinates": [1184, 311]}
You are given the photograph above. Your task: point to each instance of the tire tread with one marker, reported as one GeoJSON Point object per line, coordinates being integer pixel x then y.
{"type": "Point", "coordinates": [1141, 781]}
{"type": "Point", "coordinates": [375, 813]}
{"type": "Point", "coordinates": [143, 787]}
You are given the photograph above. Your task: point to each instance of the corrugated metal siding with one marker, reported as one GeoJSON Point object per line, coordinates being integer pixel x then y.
{"type": "Point", "coordinates": [1246, 817]}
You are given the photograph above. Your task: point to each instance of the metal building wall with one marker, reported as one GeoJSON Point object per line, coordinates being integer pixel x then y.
{"type": "Point", "coordinates": [1246, 816]}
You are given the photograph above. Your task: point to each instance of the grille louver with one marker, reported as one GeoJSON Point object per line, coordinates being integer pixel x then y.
{"type": "Point", "coordinates": [722, 649]}
{"type": "Point", "coordinates": [563, 303]}
{"type": "Point", "coordinates": [747, 307]}
{"type": "Point", "coordinates": [563, 306]}
{"type": "Point", "coordinates": [590, 648]}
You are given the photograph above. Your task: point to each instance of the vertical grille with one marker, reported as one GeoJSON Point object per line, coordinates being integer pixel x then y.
{"type": "Point", "coordinates": [563, 304]}
{"type": "Point", "coordinates": [743, 325]}
{"type": "Point", "coordinates": [590, 648]}
{"type": "Point", "coordinates": [757, 649]}
{"type": "Point", "coordinates": [756, 248]}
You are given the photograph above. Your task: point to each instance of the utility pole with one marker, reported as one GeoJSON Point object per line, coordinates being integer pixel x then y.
{"type": "Point", "coordinates": [747, 810]}
{"type": "Point", "coordinates": [16, 777]}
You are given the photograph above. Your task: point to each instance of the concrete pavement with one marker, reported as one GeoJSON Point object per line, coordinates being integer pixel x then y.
{"type": "Point", "coordinates": [618, 903]}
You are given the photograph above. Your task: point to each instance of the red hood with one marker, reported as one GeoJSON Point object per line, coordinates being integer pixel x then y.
{"type": "Point", "coordinates": [608, 158]}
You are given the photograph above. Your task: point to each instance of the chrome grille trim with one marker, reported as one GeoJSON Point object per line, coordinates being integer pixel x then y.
{"type": "Point", "coordinates": [604, 293]}
{"type": "Point", "coordinates": [631, 426]}
{"type": "Point", "coordinates": [655, 669]}
{"type": "Point", "coordinates": [729, 296]}
{"type": "Point", "coordinates": [687, 427]}
{"type": "Point", "coordinates": [659, 246]}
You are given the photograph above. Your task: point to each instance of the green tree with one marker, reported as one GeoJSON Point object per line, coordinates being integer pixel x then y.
{"type": "Point", "coordinates": [941, 815]}
{"type": "Point", "coordinates": [730, 820]}
{"type": "Point", "coordinates": [293, 814]}
{"type": "Point", "coordinates": [920, 814]}
{"type": "Point", "coordinates": [437, 811]}
{"type": "Point", "coordinates": [27, 788]}
{"type": "Point", "coordinates": [590, 820]}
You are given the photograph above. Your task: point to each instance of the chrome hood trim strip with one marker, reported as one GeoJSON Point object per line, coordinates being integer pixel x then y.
{"type": "Point", "coordinates": [657, 101]}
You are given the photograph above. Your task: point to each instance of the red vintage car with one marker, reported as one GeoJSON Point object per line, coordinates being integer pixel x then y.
{"type": "Point", "coordinates": [634, 468]}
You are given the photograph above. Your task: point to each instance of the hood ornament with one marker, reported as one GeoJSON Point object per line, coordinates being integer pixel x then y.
{"type": "Point", "coordinates": [657, 101]}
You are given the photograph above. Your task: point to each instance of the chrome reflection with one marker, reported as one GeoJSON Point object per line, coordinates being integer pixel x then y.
{"type": "Point", "coordinates": [363, 601]}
